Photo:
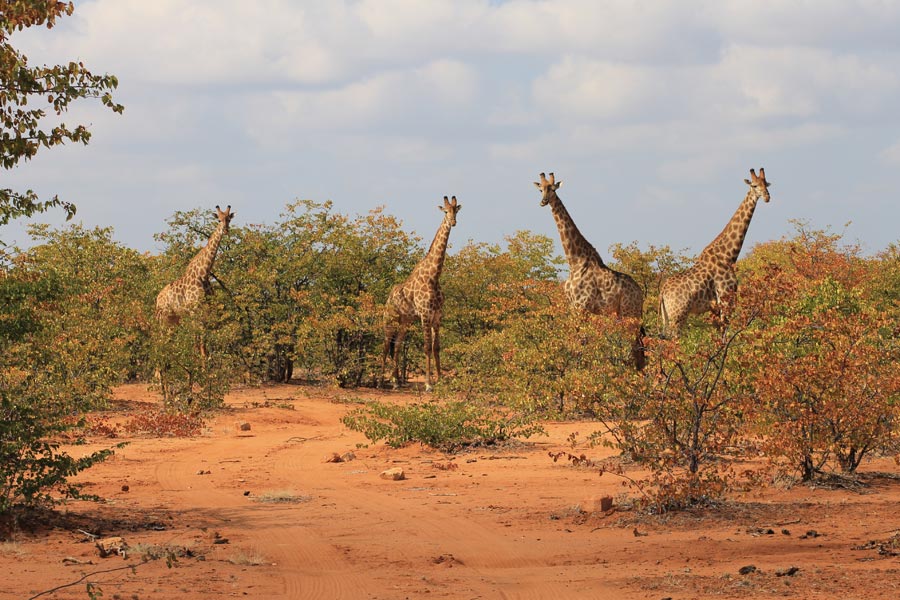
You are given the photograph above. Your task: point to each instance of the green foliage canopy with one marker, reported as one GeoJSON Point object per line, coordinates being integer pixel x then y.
{"type": "Point", "coordinates": [30, 95]}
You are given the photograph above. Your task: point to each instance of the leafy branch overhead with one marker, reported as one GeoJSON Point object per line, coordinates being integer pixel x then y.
{"type": "Point", "coordinates": [30, 96]}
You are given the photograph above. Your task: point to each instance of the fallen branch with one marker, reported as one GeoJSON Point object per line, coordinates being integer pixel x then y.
{"type": "Point", "coordinates": [77, 581]}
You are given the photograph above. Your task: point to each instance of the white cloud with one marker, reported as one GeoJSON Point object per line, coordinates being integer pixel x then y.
{"type": "Point", "coordinates": [789, 81]}
{"type": "Point", "coordinates": [440, 89]}
{"type": "Point", "coordinates": [671, 94]}
{"type": "Point", "coordinates": [196, 43]}
{"type": "Point", "coordinates": [614, 29]}
{"type": "Point", "coordinates": [891, 154]}
{"type": "Point", "coordinates": [692, 169]}
{"type": "Point", "coordinates": [578, 88]}
{"type": "Point", "coordinates": [824, 23]}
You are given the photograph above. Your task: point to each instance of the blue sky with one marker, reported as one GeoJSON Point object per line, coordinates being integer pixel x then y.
{"type": "Point", "coordinates": [650, 112]}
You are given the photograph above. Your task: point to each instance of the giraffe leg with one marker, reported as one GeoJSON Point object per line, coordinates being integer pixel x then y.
{"type": "Point", "coordinates": [436, 350]}
{"type": "Point", "coordinates": [399, 337]}
{"type": "Point", "coordinates": [631, 306]}
{"type": "Point", "coordinates": [723, 303]}
{"type": "Point", "coordinates": [637, 350]}
{"type": "Point", "coordinates": [429, 352]}
{"type": "Point", "coordinates": [663, 317]}
{"type": "Point", "coordinates": [390, 337]}
{"type": "Point", "coordinates": [163, 388]}
{"type": "Point", "coordinates": [673, 315]}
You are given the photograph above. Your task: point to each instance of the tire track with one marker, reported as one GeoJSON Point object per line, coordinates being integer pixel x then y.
{"type": "Point", "coordinates": [309, 566]}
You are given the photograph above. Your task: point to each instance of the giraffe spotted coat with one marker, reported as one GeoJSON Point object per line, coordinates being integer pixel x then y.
{"type": "Point", "coordinates": [592, 286]}
{"type": "Point", "coordinates": [185, 293]}
{"type": "Point", "coordinates": [708, 284]}
{"type": "Point", "coordinates": [420, 297]}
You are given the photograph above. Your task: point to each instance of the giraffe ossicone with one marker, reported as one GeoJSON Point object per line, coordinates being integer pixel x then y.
{"type": "Point", "coordinates": [592, 286]}
{"type": "Point", "coordinates": [711, 281]}
{"type": "Point", "coordinates": [420, 297]}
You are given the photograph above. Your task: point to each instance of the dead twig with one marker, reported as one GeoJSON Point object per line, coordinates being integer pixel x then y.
{"type": "Point", "coordinates": [300, 439]}
{"type": "Point", "coordinates": [133, 567]}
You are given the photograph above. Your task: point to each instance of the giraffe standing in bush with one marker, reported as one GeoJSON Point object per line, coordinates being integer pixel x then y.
{"type": "Point", "coordinates": [707, 285]}
{"type": "Point", "coordinates": [185, 293]}
{"type": "Point", "coordinates": [592, 286]}
{"type": "Point", "coordinates": [420, 296]}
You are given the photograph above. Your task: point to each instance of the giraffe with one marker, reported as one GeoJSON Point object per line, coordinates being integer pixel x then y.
{"type": "Point", "coordinates": [592, 286]}
{"type": "Point", "coordinates": [706, 285]}
{"type": "Point", "coordinates": [420, 296]}
{"type": "Point", "coordinates": [184, 294]}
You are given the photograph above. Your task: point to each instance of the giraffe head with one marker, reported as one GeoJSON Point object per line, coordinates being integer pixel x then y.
{"type": "Point", "coordinates": [224, 216]}
{"type": "Point", "coordinates": [548, 188]}
{"type": "Point", "coordinates": [450, 208]}
{"type": "Point", "coordinates": [759, 187]}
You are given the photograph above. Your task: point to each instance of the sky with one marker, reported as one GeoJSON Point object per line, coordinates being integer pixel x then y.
{"type": "Point", "coordinates": [650, 112]}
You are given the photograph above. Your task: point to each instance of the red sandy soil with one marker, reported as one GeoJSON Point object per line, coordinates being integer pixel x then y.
{"type": "Point", "coordinates": [506, 522]}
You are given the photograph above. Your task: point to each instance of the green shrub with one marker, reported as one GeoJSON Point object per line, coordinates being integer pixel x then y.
{"type": "Point", "coordinates": [187, 379]}
{"type": "Point", "coordinates": [542, 357]}
{"type": "Point", "coordinates": [32, 466]}
{"type": "Point", "coordinates": [447, 426]}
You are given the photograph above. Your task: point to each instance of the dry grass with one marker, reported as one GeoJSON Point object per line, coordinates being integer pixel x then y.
{"type": "Point", "coordinates": [248, 557]}
{"type": "Point", "coordinates": [12, 549]}
{"type": "Point", "coordinates": [282, 497]}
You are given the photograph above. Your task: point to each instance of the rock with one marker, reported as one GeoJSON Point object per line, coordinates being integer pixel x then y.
{"type": "Point", "coordinates": [242, 425]}
{"type": "Point", "coordinates": [812, 533]}
{"type": "Point", "coordinates": [789, 572]}
{"type": "Point", "coordinates": [125, 488]}
{"type": "Point", "coordinates": [445, 466]}
{"type": "Point", "coordinates": [348, 456]}
{"type": "Point", "coordinates": [394, 474]}
{"type": "Point", "coordinates": [218, 539]}
{"type": "Point", "coordinates": [111, 545]}
{"type": "Point", "coordinates": [334, 457]}
{"type": "Point", "coordinates": [747, 570]}
{"type": "Point", "coordinates": [595, 504]}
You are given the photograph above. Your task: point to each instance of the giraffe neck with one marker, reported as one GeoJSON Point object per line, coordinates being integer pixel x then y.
{"type": "Point", "coordinates": [433, 262]}
{"type": "Point", "coordinates": [201, 265]}
{"type": "Point", "coordinates": [577, 248]}
{"type": "Point", "coordinates": [727, 245]}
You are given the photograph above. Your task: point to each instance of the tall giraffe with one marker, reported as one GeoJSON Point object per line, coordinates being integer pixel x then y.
{"type": "Point", "coordinates": [420, 296]}
{"type": "Point", "coordinates": [184, 294]}
{"type": "Point", "coordinates": [592, 286]}
{"type": "Point", "coordinates": [706, 285]}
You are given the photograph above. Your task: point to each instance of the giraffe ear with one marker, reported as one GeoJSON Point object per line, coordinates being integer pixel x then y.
{"type": "Point", "coordinates": [557, 184]}
{"type": "Point", "coordinates": [747, 181]}
{"type": "Point", "coordinates": [537, 185]}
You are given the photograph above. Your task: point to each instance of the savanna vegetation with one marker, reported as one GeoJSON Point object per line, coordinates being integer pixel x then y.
{"type": "Point", "coordinates": [51, 368]}
{"type": "Point", "coordinates": [801, 373]}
